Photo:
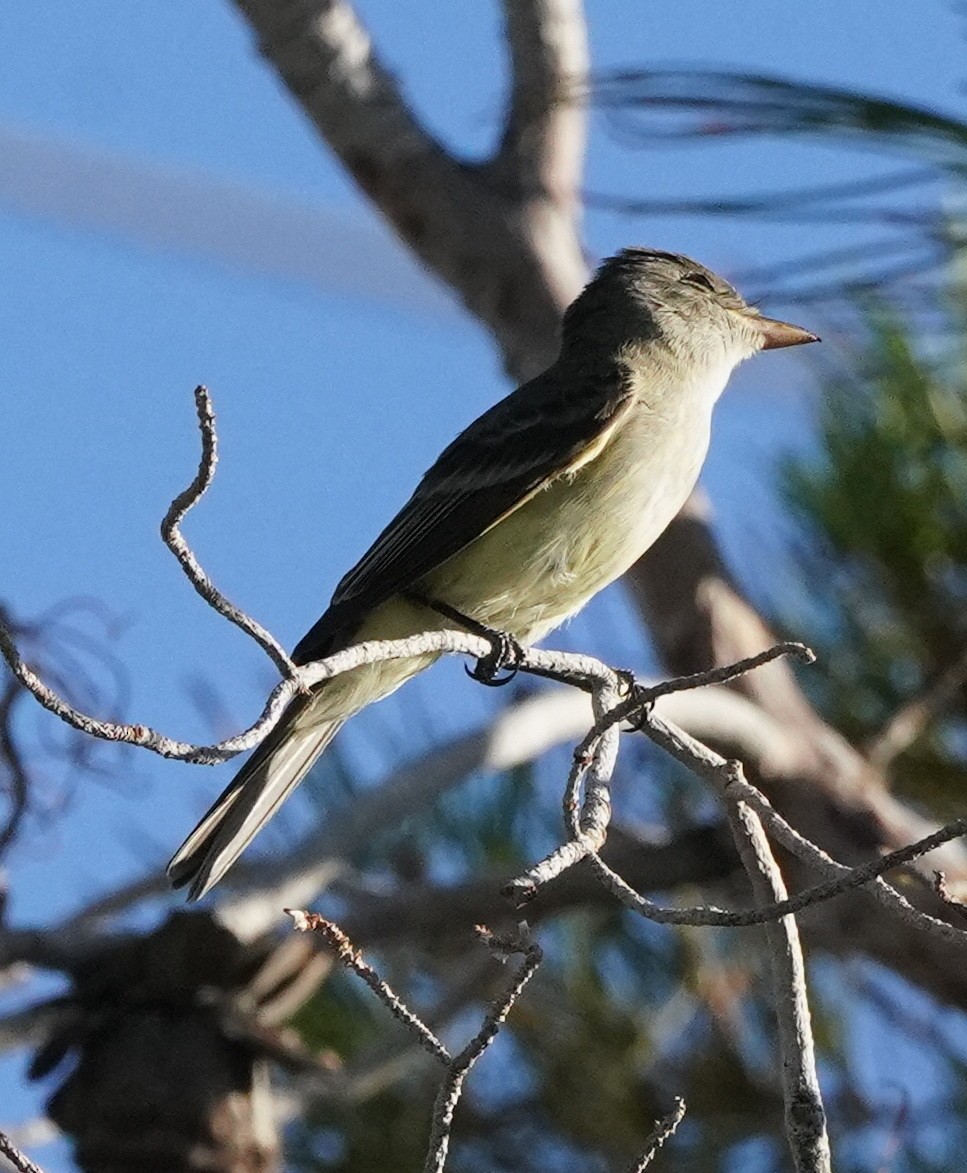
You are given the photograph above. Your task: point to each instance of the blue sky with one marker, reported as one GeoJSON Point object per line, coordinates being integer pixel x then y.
{"type": "Point", "coordinates": [338, 372]}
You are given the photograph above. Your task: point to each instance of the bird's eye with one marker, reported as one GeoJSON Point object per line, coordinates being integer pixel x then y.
{"type": "Point", "coordinates": [700, 280]}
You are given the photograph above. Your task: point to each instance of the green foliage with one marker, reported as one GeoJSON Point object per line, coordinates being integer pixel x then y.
{"type": "Point", "coordinates": [885, 505]}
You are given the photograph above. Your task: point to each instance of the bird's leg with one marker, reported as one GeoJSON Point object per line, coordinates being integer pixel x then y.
{"type": "Point", "coordinates": [505, 651]}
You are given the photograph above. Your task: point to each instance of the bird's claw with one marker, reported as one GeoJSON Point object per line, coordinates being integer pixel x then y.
{"type": "Point", "coordinates": [642, 711]}
{"type": "Point", "coordinates": [505, 653]}
{"type": "Point", "coordinates": [633, 690]}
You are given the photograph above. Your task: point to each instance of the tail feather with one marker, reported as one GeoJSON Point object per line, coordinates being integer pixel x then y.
{"type": "Point", "coordinates": [251, 799]}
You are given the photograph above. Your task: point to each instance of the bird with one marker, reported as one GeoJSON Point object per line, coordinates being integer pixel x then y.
{"type": "Point", "coordinates": [546, 498]}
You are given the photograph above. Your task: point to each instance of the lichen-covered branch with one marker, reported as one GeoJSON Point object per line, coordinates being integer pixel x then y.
{"type": "Point", "coordinates": [805, 1115]}
{"type": "Point", "coordinates": [172, 536]}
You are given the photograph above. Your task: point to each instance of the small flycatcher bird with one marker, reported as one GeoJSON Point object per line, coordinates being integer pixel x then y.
{"type": "Point", "coordinates": [549, 496]}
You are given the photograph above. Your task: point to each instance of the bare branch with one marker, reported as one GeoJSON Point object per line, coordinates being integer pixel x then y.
{"type": "Point", "coordinates": [664, 1130]}
{"type": "Point", "coordinates": [457, 1067]}
{"type": "Point", "coordinates": [544, 135]}
{"type": "Point", "coordinates": [587, 822]}
{"type": "Point", "coordinates": [908, 725]}
{"type": "Point", "coordinates": [450, 1090]}
{"type": "Point", "coordinates": [173, 539]}
{"type": "Point", "coordinates": [17, 1159]}
{"type": "Point", "coordinates": [888, 896]}
{"type": "Point", "coordinates": [805, 1115]}
{"type": "Point", "coordinates": [643, 696]}
{"type": "Point", "coordinates": [728, 778]}
{"type": "Point", "coordinates": [303, 677]}
{"type": "Point", "coordinates": [514, 259]}
{"type": "Point", "coordinates": [311, 922]}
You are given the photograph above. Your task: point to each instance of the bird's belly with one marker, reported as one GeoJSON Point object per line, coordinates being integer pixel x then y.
{"type": "Point", "coordinates": [543, 562]}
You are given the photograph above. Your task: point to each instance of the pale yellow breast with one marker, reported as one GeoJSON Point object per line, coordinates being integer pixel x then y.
{"type": "Point", "coordinates": [543, 562]}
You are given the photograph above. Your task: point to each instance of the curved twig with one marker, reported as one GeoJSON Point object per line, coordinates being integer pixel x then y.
{"type": "Point", "coordinates": [174, 540]}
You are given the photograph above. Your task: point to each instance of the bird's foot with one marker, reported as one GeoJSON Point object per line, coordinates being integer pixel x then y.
{"type": "Point", "coordinates": [505, 653]}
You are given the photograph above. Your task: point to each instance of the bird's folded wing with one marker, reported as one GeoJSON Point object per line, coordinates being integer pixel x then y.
{"type": "Point", "coordinates": [547, 428]}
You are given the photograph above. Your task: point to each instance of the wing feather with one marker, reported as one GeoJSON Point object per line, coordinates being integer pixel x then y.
{"type": "Point", "coordinates": [545, 429]}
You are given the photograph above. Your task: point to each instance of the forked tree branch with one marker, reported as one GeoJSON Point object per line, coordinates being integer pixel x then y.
{"type": "Point", "coordinates": [456, 1067]}
{"type": "Point", "coordinates": [510, 252]}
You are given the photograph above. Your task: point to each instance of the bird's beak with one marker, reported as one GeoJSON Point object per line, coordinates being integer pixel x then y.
{"type": "Point", "coordinates": [777, 334]}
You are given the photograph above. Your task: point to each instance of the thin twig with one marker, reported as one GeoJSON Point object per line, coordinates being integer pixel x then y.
{"type": "Point", "coordinates": [847, 880]}
{"type": "Point", "coordinates": [457, 1066]}
{"type": "Point", "coordinates": [311, 922]}
{"type": "Point", "coordinates": [208, 755]}
{"type": "Point", "coordinates": [587, 822]}
{"type": "Point", "coordinates": [174, 540]}
{"type": "Point", "coordinates": [643, 696]}
{"type": "Point", "coordinates": [664, 1130]}
{"type": "Point", "coordinates": [450, 1090]}
{"type": "Point", "coordinates": [729, 777]}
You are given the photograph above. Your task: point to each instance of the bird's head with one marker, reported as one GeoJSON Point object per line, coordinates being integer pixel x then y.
{"type": "Point", "coordinates": [651, 297]}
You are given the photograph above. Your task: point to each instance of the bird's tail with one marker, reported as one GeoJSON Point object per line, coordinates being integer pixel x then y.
{"type": "Point", "coordinates": [254, 795]}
